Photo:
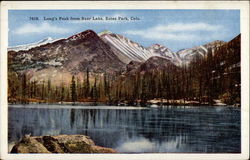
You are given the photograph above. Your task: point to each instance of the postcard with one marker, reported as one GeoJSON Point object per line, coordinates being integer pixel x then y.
{"type": "Point", "coordinates": [124, 80]}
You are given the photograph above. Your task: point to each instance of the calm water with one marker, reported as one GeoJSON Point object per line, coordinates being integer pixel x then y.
{"type": "Point", "coordinates": [130, 129]}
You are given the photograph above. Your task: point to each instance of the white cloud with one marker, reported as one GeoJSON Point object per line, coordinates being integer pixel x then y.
{"type": "Point", "coordinates": [187, 27]}
{"type": "Point", "coordinates": [180, 32]}
{"type": "Point", "coordinates": [163, 36]}
{"type": "Point", "coordinates": [40, 28]}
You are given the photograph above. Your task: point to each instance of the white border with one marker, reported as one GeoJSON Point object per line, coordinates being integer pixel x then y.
{"type": "Point", "coordinates": [244, 19]}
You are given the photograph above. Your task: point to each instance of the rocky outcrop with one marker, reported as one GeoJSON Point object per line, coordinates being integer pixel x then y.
{"type": "Point", "coordinates": [59, 144]}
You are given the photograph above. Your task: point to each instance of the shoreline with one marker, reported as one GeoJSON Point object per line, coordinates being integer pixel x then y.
{"type": "Point", "coordinates": [147, 105]}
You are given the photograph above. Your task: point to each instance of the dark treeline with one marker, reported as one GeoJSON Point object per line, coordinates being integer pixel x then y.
{"type": "Point", "coordinates": [214, 76]}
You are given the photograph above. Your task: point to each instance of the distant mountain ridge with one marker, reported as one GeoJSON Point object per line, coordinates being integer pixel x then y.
{"type": "Point", "coordinates": [105, 52]}
{"type": "Point", "coordinates": [127, 50]}
{"type": "Point", "coordinates": [187, 55]}
{"type": "Point", "coordinates": [31, 45]}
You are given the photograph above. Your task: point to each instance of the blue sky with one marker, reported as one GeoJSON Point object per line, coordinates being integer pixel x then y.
{"type": "Point", "coordinates": [175, 29]}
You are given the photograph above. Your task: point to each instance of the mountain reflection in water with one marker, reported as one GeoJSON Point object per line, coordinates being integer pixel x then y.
{"type": "Point", "coordinates": [168, 129]}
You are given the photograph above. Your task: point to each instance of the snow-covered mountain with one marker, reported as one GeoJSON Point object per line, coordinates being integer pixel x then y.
{"type": "Point", "coordinates": [187, 55]}
{"type": "Point", "coordinates": [26, 47]}
{"type": "Point", "coordinates": [158, 49]}
{"type": "Point", "coordinates": [127, 50]}
{"type": "Point", "coordinates": [166, 53]}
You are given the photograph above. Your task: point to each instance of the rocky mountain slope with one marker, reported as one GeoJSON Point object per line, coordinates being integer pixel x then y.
{"type": "Point", "coordinates": [187, 55]}
{"type": "Point", "coordinates": [127, 50]}
{"type": "Point", "coordinates": [151, 65]}
{"type": "Point", "coordinates": [66, 57]}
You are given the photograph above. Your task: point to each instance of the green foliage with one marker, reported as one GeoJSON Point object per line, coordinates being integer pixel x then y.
{"type": "Point", "coordinates": [73, 90]}
{"type": "Point", "coordinates": [13, 85]}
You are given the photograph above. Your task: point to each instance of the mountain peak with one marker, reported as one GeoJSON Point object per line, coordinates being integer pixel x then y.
{"type": "Point", "coordinates": [213, 44]}
{"type": "Point", "coordinates": [216, 42]}
{"type": "Point", "coordinates": [156, 46]}
{"type": "Point", "coordinates": [104, 32]}
{"type": "Point", "coordinates": [82, 35]}
{"type": "Point", "coordinates": [161, 50]}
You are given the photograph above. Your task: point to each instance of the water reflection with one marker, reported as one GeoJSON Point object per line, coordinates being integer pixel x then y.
{"type": "Point", "coordinates": [168, 129]}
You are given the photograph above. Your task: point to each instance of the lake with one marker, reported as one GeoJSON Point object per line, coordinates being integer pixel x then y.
{"type": "Point", "coordinates": [172, 129]}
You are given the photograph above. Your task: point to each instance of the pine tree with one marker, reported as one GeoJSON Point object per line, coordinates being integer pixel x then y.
{"type": "Point", "coordinates": [95, 93]}
{"type": "Point", "coordinates": [87, 85]}
{"type": "Point", "coordinates": [24, 88]}
{"type": "Point", "coordinates": [78, 86]}
{"type": "Point", "coordinates": [62, 92]}
{"type": "Point", "coordinates": [73, 90]}
{"type": "Point", "coordinates": [48, 90]}
{"type": "Point", "coordinates": [144, 90]}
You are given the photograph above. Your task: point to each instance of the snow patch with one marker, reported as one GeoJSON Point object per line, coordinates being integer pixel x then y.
{"type": "Point", "coordinates": [53, 63]}
{"type": "Point", "coordinates": [134, 51]}
{"type": "Point", "coordinates": [204, 48]}
{"type": "Point", "coordinates": [26, 47]}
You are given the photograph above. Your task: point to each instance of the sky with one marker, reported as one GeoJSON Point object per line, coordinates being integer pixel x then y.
{"type": "Point", "coordinates": [175, 29]}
